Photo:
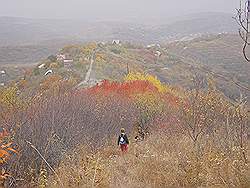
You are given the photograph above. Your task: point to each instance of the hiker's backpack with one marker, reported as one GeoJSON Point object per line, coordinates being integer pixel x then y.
{"type": "Point", "coordinates": [122, 140]}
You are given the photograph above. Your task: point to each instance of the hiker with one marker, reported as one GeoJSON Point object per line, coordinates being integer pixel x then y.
{"type": "Point", "coordinates": [123, 141]}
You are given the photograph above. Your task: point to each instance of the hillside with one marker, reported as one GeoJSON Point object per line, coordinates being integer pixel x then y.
{"type": "Point", "coordinates": [212, 56]}
{"type": "Point", "coordinates": [57, 133]}
{"type": "Point", "coordinates": [25, 40]}
{"type": "Point", "coordinates": [218, 56]}
{"type": "Point", "coordinates": [23, 31]}
{"type": "Point", "coordinates": [178, 102]}
{"type": "Point", "coordinates": [30, 54]}
{"type": "Point", "coordinates": [27, 31]}
{"type": "Point", "coordinates": [196, 25]}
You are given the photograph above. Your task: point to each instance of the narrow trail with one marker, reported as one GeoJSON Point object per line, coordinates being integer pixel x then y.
{"type": "Point", "coordinates": [87, 77]}
{"type": "Point", "coordinates": [88, 74]}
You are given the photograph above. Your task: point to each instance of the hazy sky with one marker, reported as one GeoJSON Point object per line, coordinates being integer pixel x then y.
{"type": "Point", "coordinates": [125, 10]}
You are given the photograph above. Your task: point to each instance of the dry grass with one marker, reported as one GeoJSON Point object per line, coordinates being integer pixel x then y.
{"type": "Point", "coordinates": [159, 161]}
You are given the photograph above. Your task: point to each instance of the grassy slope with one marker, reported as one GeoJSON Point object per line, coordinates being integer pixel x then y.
{"type": "Point", "coordinates": [216, 56]}
{"type": "Point", "coordinates": [220, 56]}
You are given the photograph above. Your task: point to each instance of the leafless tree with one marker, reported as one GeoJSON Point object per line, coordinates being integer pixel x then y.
{"type": "Point", "coordinates": [242, 17]}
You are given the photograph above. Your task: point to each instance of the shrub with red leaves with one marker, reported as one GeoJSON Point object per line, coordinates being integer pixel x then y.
{"type": "Point", "coordinates": [124, 89]}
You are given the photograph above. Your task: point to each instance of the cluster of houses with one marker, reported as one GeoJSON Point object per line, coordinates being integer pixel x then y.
{"type": "Point", "coordinates": [153, 46]}
{"type": "Point", "coordinates": [157, 53]}
{"type": "Point", "coordinates": [41, 66]}
{"type": "Point", "coordinates": [63, 58]}
{"type": "Point", "coordinates": [114, 42]}
{"type": "Point", "coordinates": [60, 58]}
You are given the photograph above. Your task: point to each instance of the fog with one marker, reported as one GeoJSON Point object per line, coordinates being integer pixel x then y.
{"type": "Point", "coordinates": [112, 10]}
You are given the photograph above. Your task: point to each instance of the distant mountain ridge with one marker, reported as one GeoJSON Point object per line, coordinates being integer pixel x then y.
{"type": "Point", "coordinates": [22, 31]}
{"type": "Point", "coordinates": [197, 25]}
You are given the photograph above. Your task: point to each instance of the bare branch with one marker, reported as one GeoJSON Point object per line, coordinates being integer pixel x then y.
{"type": "Point", "coordinates": [50, 167]}
{"type": "Point", "coordinates": [242, 19]}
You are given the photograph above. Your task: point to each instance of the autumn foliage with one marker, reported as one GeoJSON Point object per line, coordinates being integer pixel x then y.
{"type": "Point", "coordinates": [136, 85]}
{"type": "Point", "coordinates": [6, 151]}
{"type": "Point", "coordinates": [194, 138]}
{"type": "Point", "coordinates": [149, 78]}
{"type": "Point", "coordinates": [126, 89]}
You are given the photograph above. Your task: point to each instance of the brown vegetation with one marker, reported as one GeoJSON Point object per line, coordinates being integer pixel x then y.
{"type": "Point", "coordinates": [67, 138]}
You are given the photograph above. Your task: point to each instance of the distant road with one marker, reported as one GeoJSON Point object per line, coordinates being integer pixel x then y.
{"type": "Point", "coordinates": [88, 74]}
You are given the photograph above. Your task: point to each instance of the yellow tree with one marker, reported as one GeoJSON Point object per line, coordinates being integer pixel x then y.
{"type": "Point", "coordinates": [88, 49]}
{"type": "Point", "coordinates": [9, 97]}
{"type": "Point", "coordinates": [133, 76]}
{"type": "Point", "coordinates": [150, 105]}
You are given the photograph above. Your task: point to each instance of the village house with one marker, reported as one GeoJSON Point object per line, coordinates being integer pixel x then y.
{"type": "Point", "coordinates": [48, 72]}
{"type": "Point", "coordinates": [41, 66]}
{"type": "Point", "coordinates": [151, 45]}
{"type": "Point", "coordinates": [116, 42]}
{"type": "Point", "coordinates": [158, 53]}
{"type": "Point", "coordinates": [65, 59]}
{"type": "Point", "coordinates": [68, 61]}
{"type": "Point", "coordinates": [2, 72]}
{"type": "Point", "coordinates": [154, 45]}
{"type": "Point", "coordinates": [60, 57]}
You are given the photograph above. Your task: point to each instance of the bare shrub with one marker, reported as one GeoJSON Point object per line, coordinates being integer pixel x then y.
{"type": "Point", "coordinates": [58, 124]}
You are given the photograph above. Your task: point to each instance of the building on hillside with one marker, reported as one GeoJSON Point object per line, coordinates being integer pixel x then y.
{"type": "Point", "coordinates": [3, 72]}
{"type": "Point", "coordinates": [41, 66]}
{"type": "Point", "coordinates": [116, 42]}
{"type": "Point", "coordinates": [158, 53]}
{"type": "Point", "coordinates": [68, 61]}
{"type": "Point", "coordinates": [151, 45]}
{"type": "Point", "coordinates": [2, 84]}
{"type": "Point", "coordinates": [60, 57]}
{"type": "Point", "coordinates": [48, 72]}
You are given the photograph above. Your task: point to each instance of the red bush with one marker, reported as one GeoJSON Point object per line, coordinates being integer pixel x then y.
{"type": "Point", "coordinates": [124, 89]}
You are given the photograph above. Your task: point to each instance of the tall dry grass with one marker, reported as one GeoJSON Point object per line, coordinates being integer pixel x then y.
{"type": "Point", "coordinates": [159, 161]}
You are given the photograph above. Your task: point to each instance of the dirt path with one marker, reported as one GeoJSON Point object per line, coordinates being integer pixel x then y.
{"type": "Point", "coordinates": [88, 74]}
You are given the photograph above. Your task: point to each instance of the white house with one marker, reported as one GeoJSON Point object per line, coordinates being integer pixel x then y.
{"type": "Point", "coordinates": [158, 53]}
{"type": "Point", "coordinates": [151, 45]}
{"type": "Point", "coordinates": [117, 42]}
{"type": "Point", "coordinates": [2, 84]}
{"type": "Point", "coordinates": [68, 60]}
{"type": "Point", "coordinates": [154, 45]}
{"type": "Point", "coordinates": [41, 66]}
{"type": "Point", "coordinates": [2, 72]}
{"type": "Point", "coordinates": [48, 72]}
